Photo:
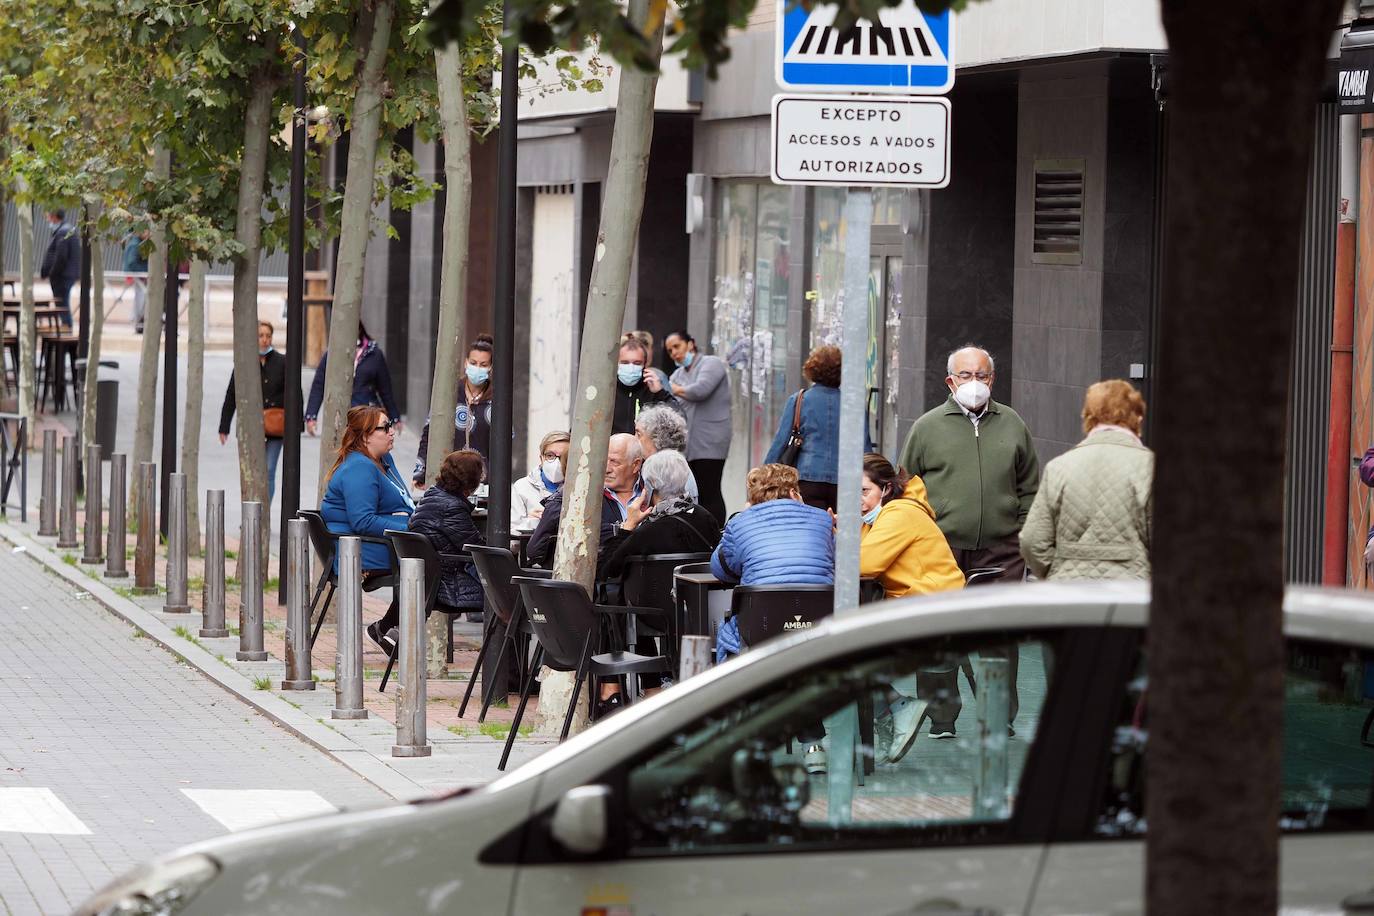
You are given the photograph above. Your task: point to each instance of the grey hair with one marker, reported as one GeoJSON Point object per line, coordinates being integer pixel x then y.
{"type": "Point", "coordinates": [667, 472]}
{"type": "Point", "coordinates": [949, 362]}
{"type": "Point", "coordinates": [633, 450]}
{"type": "Point", "coordinates": [665, 427]}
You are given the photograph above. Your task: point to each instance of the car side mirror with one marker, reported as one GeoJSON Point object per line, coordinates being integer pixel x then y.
{"type": "Point", "coordinates": [580, 818]}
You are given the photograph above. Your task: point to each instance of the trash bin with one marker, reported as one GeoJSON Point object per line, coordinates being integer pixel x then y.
{"type": "Point", "coordinates": [106, 414]}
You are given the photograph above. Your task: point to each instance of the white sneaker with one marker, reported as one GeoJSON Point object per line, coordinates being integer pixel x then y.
{"type": "Point", "coordinates": [906, 722]}
{"type": "Point", "coordinates": [815, 760]}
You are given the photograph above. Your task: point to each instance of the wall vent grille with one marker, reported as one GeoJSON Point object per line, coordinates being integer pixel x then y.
{"type": "Point", "coordinates": [1058, 235]}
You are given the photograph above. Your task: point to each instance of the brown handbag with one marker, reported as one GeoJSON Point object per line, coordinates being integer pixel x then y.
{"type": "Point", "coordinates": [274, 421]}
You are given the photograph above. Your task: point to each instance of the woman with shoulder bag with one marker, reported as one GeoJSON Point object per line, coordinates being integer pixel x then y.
{"type": "Point", "coordinates": [273, 367]}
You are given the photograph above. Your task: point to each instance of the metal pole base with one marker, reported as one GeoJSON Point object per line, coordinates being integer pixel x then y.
{"type": "Point", "coordinates": [405, 750]}
{"type": "Point", "coordinates": [92, 561]}
{"type": "Point", "coordinates": [67, 543]}
{"type": "Point", "coordinates": [348, 714]}
{"type": "Point", "coordinates": [122, 574]}
{"type": "Point", "coordinates": [298, 685]}
{"type": "Point", "coordinates": [176, 609]}
{"type": "Point", "coordinates": [144, 591]}
{"type": "Point", "coordinates": [213, 634]}
{"type": "Point", "coordinates": [250, 656]}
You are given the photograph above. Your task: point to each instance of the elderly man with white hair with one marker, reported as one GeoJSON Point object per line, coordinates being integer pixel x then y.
{"type": "Point", "coordinates": [669, 521]}
{"type": "Point", "coordinates": [661, 428]}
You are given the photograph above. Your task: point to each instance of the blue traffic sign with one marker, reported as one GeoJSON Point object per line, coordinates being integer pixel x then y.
{"type": "Point", "coordinates": [906, 51]}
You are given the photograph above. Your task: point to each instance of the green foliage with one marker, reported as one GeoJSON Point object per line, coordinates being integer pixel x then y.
{"type": "Point", "coordinates": [262, 683]}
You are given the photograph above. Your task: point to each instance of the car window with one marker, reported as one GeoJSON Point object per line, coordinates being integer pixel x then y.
{"type": "Point", "coordinates": [1328, 747]}
{"type": "Point", "coordinates": [782, 769]}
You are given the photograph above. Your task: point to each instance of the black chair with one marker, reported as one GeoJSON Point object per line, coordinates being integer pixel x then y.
{"type": "Point", "coordinates": [326, 545]}
{"type": "Point", "coordinates": [496, 567]}
{"type": "Point", "coordinates": [413, 545]}
{"type": "Point", "coordinates": [648, 582]}
{"type": "Point", "coordinates": [765, 611]}
{"type": "Point", "coordinates": [983, 575]}
{"type": "Point", "coordinates": [567, 627]}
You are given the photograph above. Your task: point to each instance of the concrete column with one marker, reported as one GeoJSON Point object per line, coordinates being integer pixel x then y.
{"type": "Point", "coordinates": [91, 533]}
{"type": "Point", "coordinates": [178, 601]}
{"type": "Point", "coordinates": [117, 535]}
{"type": "Point", "coordinates": [212, 612]}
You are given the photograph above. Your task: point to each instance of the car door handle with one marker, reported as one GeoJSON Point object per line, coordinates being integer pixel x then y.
{"type": "Point", "coordinates": [1362, 902]}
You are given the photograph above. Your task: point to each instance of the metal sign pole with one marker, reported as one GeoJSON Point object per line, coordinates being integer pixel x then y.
{"type": "Point", "coordinates": [858, 215]}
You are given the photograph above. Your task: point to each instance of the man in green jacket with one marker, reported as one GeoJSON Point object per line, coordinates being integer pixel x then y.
{"type": "Point", "coordinates": [981, 473]}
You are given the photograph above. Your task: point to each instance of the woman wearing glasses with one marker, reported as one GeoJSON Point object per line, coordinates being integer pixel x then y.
{"type": "Point", "coordinates": [366, 495]}
{"type": "Point", "coordinates": [527, 494]}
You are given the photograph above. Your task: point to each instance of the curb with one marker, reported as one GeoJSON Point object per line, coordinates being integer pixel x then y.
{"type": "Point", "coordinates": [330, 742]}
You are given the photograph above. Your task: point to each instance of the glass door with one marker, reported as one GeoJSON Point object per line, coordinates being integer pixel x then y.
{"type": "Point", "coordinates": [884, 345]}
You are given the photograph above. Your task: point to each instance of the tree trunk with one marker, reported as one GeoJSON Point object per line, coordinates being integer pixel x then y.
{"type": "Point", "coordinates": [252, 441]}
{"type": "Point", "coordinates": [580, 532]}
{"type": "Point", "coordinates": [1241, 131]}
{"type": "Point", "coordinates": [160, 272]}
{"type": "Point", "coordinates": [354, 230]}
{"type": "Point", "coordinates": [453, 278]}
{"type": "Point", "coordinates": [27, 331]}
{"type": "Point", "coordinates": [97, 328]}
{"type": "Point", "coordinates": [195, 396]}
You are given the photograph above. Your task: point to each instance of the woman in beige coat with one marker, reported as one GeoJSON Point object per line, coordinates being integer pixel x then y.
{"type": "Point", "coordinates": [1091, 517]}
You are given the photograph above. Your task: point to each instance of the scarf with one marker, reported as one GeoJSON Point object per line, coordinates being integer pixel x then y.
{"type": "Point", "coordinates": [364, 348]}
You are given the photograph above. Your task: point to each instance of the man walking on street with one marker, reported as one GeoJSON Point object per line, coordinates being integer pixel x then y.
{"type": "Point", "coordinates": [981, 472]}
{"type": "Point", "coordinates": [62, 262]}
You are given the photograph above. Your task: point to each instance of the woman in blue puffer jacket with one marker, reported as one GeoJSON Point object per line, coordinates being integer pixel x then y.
{"type": "Point", "coordinates": [366, 495]}
{"type": "Point", "coordinates": [778, 540]}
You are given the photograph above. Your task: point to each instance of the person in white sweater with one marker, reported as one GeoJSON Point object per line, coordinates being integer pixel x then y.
{"type": "Point", "coordinates": [527, 494]}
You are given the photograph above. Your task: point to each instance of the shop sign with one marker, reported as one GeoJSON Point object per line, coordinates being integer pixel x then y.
{"type": "Point", "coordinates": [1354, 88]}
{"type": "Point", "coordinates": [857, 141]}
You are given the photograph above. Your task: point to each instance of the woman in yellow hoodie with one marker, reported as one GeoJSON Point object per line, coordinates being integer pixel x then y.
{"type": "Point", "coordinates": [903, 548]}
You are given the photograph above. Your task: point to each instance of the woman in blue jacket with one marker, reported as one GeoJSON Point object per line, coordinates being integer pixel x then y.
{"type": "Point", "coordinates": [371, 383]}
{"type": "Point", "coordinates": [777, 540]}
{"type": "Point", "coordinates": [366, 495]}
{"type": "Point", "coordinates": [818, 464]}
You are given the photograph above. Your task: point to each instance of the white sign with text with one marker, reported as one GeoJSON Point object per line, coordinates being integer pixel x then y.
{"type": "Point", "coordinates": [861, 140]}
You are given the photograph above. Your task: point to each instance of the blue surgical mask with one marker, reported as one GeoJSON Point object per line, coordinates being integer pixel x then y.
{"type": "Point", "coordinates": [629, 374]}
{"type": "Point", "coordinates": [478, 375]}
{"type": "Point", "coordinates": [871, 515]}
{"type": "Point", "coordinates": [264, 351]}
{"type": "Point", "coordinates": [686, 360]}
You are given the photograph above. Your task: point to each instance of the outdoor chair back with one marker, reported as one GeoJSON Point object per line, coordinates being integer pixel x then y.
{"type": "Point", "coordinates": [764, 611]}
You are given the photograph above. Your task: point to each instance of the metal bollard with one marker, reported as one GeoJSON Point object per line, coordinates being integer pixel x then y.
{"type": "Point", "coordinates": [348, 637]}
{"type": "Point", "coordinates": [178, 601]}
{"type": "Point", "coordinates": [145, 547]}
{"type": "Point", "coordinates": [411, 740]}
{"type": "Point", "coordinates": [695, 656]}
{"type": "Point", "coordinates": [212, 610]}
{"type": "Point", "coordinates": [990, 777]}
{"type": "Point", "coordinates": [117, 535]}
{"type": "Point", "coordinates": [47, 496]}
{"type": "Point", "coordinates": [91, 533]}
{"type": "Point", "coordinates": [66, 532]}
{"type": "Point", "coordinates": [297, 607]}
{"type": "Point", "coordinates": [250, 594]}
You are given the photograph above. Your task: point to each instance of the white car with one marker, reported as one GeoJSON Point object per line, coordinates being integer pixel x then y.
{"type": "Point", "coordinates": [701, 801]}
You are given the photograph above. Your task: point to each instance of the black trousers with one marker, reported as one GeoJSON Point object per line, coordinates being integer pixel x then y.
{"type": "Point", "coordinates": [708, 472]}
{"type": "Point", "coordinates": [942, 688]}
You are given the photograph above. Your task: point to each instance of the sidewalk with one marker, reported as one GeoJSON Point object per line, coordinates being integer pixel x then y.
{"type": "Point", "coordinates": [464, 752]}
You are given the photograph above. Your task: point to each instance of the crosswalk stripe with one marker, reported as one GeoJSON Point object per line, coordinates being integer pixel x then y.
{"type": "Point", "coordinates": [240, 809]}
{"type": "Point", "coordinates": [36, 810]}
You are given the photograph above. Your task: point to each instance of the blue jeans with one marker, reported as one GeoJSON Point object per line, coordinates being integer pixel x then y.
{"type": "Point", "coordinates": [273, 456]}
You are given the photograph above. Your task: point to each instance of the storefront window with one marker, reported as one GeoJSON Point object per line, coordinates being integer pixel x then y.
{"type": "Point", "coordinates": [749, 317]}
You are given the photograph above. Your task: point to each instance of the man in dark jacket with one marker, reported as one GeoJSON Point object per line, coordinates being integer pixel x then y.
{"type": "Point", "coordinates": [635, 387]}
{"type": "Point", "coordinates": [62, 262]}
{"type": "Point", "coordinates": [273, 367]}
{"type": "Point", "coordinates": [623, 488]}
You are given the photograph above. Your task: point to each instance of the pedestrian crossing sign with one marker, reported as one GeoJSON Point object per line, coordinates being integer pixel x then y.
{"type": "Point", "coordinates": [906, 51]}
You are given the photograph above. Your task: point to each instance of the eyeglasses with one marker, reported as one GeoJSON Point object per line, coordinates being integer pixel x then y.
{"type": "Point", "coordinates": [969, 376]}
{"type": "Point", "coordinates": [387, 427]}
{"type": "Point", "coordinates": [550, 456]}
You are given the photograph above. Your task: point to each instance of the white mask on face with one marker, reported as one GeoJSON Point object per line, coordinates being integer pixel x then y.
{"type": "Point", "coordinates": [972, 395]}
{"type": "Point", "coordinates": [553, 470]}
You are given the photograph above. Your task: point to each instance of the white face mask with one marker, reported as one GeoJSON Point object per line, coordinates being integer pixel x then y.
{"type": "Point", "coordinates": [973, 394]}
{"type": "Point", "coordinates": [552, 470]}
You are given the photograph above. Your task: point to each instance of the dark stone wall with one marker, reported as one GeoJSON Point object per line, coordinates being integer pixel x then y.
{"type": "Point", "coordinates": [660, 300]}
{"type": "Point", "coordinates": [972, 237]}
